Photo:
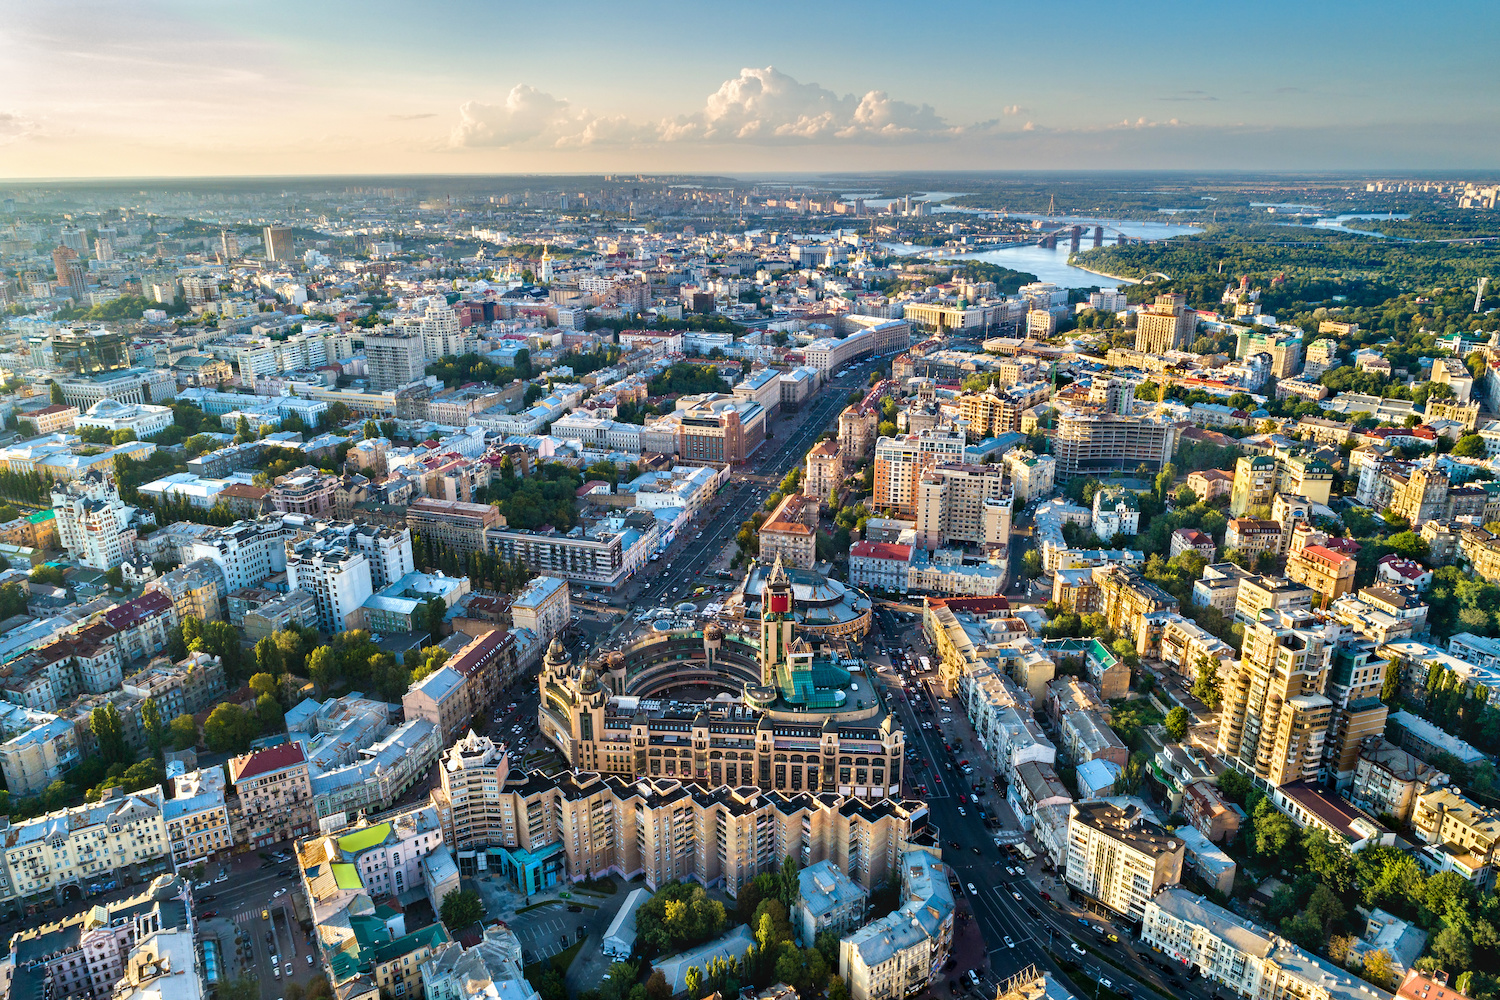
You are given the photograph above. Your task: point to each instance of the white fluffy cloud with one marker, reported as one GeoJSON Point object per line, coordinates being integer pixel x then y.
{"type": "Point", "coordinates": [759, 107]}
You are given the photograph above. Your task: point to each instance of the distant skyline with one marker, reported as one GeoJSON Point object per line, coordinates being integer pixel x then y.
{"type": "Point", "coordinates": [167, 88]}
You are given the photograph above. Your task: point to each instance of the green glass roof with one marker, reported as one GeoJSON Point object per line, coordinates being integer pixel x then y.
{"type": "Point", "coordinates": [362, 840]}
{"type": "Point", "coordinates": [346, 876]}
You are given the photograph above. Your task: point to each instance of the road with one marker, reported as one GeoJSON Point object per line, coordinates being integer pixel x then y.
{"type": "Point", "coordinates": [247, 891]}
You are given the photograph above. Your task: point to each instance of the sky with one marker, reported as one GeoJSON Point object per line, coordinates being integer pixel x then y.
{"type": "Point", "coordinates": [213, 87]}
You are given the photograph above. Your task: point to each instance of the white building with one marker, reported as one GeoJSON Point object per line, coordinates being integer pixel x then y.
{"type": "Point", "coordinates": [543, 606]}
{"type": "Point", "coordinates": [1118, 857]}
{"type": "Point", "coordinates": [336, 573]}
{"type": "Point", "coordinates": [112, 415]}
{"type": "Point", "coordinates": [247, 552]}
{"type": "Point", "coordinates": [94, 525]}
{"type": "Point", "coordinates": [1116, 512]}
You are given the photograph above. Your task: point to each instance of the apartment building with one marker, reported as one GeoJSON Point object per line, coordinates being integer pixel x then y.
{"type": "Point", "coordinates": [275, 793]}
{"type": "Point", "coordinates": [1257, 594]}
{"type": "Point", "coordinates": [1252, 536]}
{"type": "Point", "coordinates": [857, 426]}
{"type": "Point", "coordinates": [465, 684]}
{"type": "Point", "coordinates": [39, 749]}
{"type": "Point", "coordinates": [828, 901]}
{"type": "Point", "coordinates": [142, 626]}
{"type": "Point", "coordinates": [1119, 858]}
{"type": "Point", "coordinates": [84, 954]}
{"type": "Point", "coordinates": [601, 557]}
{"type": "Point", "coordinates": [304, 491]}
{"type": "Point", "coordinates": [1126, 597]}
{"type": "Point", "coordinates": [120, 838]}
{"type": "Point", "coordinates": [823, 469]}
{"type": "Point", "coordinates": [196, 590]}
{"type": "Point", "coordinates": [455, 524]}
{"type": "Point", "coordinates": [1387, 779]}
{"type": "Point", "coordinates": [1165, 325]}
{"type": "Point", "coordinates": [1093, 443]}
{"type": "Point", "coordinates": [989, 413]}
{"type": "Point", "coordinates": [901, 460]}
{"type": "Point", "coordinates": [384, 857]}
{"type": "Point", "coordinates": [197, 817]}
{"type": "Point", "coordinates": [581, 824]}
{"type": "Point", "coordinates": [544, 606]}
{"type": "Point", "coordinates": [790, 533]}
{"type": "Point", "coordinates": [396, 358]}
{"type": "Point", "coordinates": [94, 526]}
{"type": "Point", "coordinates": [1031, 475]}
{"type": "Point", "coordinates": [1116, 512]}
{"type": "Point", "coordinates": [471, 800]}
{"type": "Point", "coordinates": [1328, 573]}
{"type": "Point", "coordinates": [1460, 828]}
{"type": "Point", "coordinates": [880, 566]}
{"type": "Point", "coordinates": [968, 504]}
{"type": "Point", "coordinates": [1275, 717]}
{"type": "Point", "coordinates": [188, 686]}
{"type": "Point", "coordinates": [1254, 484]}
{"type": "Point", "coordinates": [900, 954]}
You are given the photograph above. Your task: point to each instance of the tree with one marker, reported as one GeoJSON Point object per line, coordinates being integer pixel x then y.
{"type": "Point", "coordinates": [1031, 564]}
{"type": "Point", "coordinates": [1273, 832]}
{"type": "Point", "coordinates": [323, 668]}
{"type": "Point", "coordinates": [184, 730]}
{"type": "Point", "coordinates": [657, 987]}
{"type": "Point", "coordinates": [693, 981]}
{"type": "Point", "coordinates": [229, 729]}
{"type": "Point", "coordinates": [109, 734]}
{"type": "Point", "coordinates": [115, 577]}
{"type": "Point", "coordinates": [151, 725]}
{"type": "Point", "coordinates": [1452, 949]}
{"type": "Point", "coordinates": [264, 684]}
{"type": "Point", "coordinates": [1469, 446]}
{"type": "Point", "coordinates": [1206, 684]}
{"type": "Point", "coordinates": [1177, 724]}
{"type": "Point", "coordinates": [370, 430]}
{"type": "Point", "coordinates": [1379, 968]}
{"type": "Point", "coordinates": [57, 394]}
{"type": "Point", "coordinates": [434, 610]}
{"type": "Point", "coordinates": [269, 659]}
{"type": "Point", "coordinates": [461, 908]}
{"type": "Point", "coordinates": [269, 714]}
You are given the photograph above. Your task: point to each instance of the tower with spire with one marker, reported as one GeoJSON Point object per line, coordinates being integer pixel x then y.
{"type": "Point", "coordinates": [776, 623]}
{"type": "Point", "coordinates": [546, 271]}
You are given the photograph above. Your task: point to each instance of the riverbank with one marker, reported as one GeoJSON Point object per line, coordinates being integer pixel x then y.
{"type": "Point", "coordinates": [1105, 274]}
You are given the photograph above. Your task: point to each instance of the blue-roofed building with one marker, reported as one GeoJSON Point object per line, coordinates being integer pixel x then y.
{"type": "Point", "coordinates": [902, 952]}
{"type": "Point", "coordinates": [828, 901]}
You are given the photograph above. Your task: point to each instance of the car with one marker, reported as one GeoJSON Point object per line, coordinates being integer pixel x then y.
{"type": "Point", "coordinates": [954, 844]}
{"type": "Point", "coordinates": [1045, 896]}
{"type": "Point", "coordinates": [1078, 949]}
{"type": "Point", "coordinates": [976, 850]}
{"type": "Point", "coordinates": [289, 970]}
{"type": "Point", "coordinates": [1106, 983]}
{"type": "Point", "coordinates": [973, 891]}
{"type": "Point", "coordinates": [208, 898]}
{"type": "Point", "coordinates": [1085, 923]}
{"type": "Point", "coordinates": [1033, 912]}
{"type": "Point", "coordinates": [203, 885]}
{"type": "Point", "coordinates": [1008, 942]}
{"type": "Point", "coordinates": [962, 811]}
{"type": "Point", "coordinates": [277, 970]}
{"type": "Point", "coordinates": [1113, 938]}
{"type": "Point", "coordinates": [953, 987]}
{"type": "Point", "coordinates": [309, 960]}
{"type": "Point", "coordinates": [574, 908]}
{"type": "Point", "coordinates": [1016, 896]}
{"type": "Point", "coordinates": [278, 893]}
{"type": "Point", "coordinates": [208, 914]}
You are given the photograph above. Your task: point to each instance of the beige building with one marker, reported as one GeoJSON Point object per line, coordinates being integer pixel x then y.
{"type": "Point", "coordinates": [197, 817]}
{"type": "Point", "coordinates": [1091, 443]}
{"type": "Point", "coordinates": [823, 470]}
{"type": "Point", "coordinates": [1387, 779]}
{"type": "Point", "coordinates": [901, 954]}
{"type": "Point", "coordinates": [901, 460]}
{"type": "Point", "coordinates": [1329, 573]}
{"type": "Point", "coordinates": [118, 837]}
{"type": "Point", "coordinates": [969, 504]}
{"type": "Point", "coordinates": [1119, 858]}
{"type": "Point", "coordinates": [543, 606]}
{"type": "Point", "coordinates": [51, 419]}
{"type": "Point", "coordinates": [1165, 325]}
{"type": "Point", "coordinates": [1126, 597]}
{"type": "Point", "coordinates": [989, 413]}
{"type": "Point", "coordinates": [1257, 594]}
{"type": "Point", "coordinates": [275, 793]}
{"type": "Point", "coordinates": [458, 525]}
{"type": "Point", "coordinates": [857, 427]}
{"type": "Point", "coordinates": [1461, 828]}
{"type": "Point", "coordinates": [791, 530]}
{"type": "Point", "coordinates": [1275, 718]}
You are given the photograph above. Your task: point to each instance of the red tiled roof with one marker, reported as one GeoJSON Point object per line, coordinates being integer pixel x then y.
{"type": "Point", "coordinates": [881, 550]}
{"type": "Point", "coordinates": [132, 613]}
{"type": "Point", "coordinates": [976, 603]}
{"type": "Point", "coordinates": [1337, 558]}
{"type": "Point", "coordinates": [589, 486]}
{"type": "Point", "coordinates": [265, 761]}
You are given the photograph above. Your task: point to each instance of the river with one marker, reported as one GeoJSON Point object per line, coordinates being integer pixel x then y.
{"type": "Point", "coordinates": [1052, 265]}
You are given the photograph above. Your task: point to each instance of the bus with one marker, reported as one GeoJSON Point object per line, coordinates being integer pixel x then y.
{"type": "Point", "coordinates": [926, 664]}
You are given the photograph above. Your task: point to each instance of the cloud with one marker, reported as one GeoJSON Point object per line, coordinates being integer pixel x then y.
{"type": "Point", "coordinates": [1189, 95]}
{"type": "Point", "coordinates": [13, 126]}
{"type": "Point", "coordinates": [758, 107]}
{"type": "Point", "coordinates": [412, 118]}
{"type": "Point", "coordinates": [1011, 110]}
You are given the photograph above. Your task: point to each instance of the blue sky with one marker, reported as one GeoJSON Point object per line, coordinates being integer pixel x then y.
{"type": "Point", "coordinates": [163, 87]}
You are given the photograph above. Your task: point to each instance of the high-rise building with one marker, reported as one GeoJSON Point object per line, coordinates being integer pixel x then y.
{"type": "Point", "coordinates": [341, 565]}
{"type": "Point", "coordinates": [1118, 857]}
{"type": "Point", "coordinates": [1165, 325]}
{"type": "Point", "coordinates": [963, 503]}
{"type": "Point", "coordinates": [857, 426]}
{"type": "Point", "coordinates": [475, 810]}
{"type": "Point", "coordinates": [278, 243]}
{"type": "Point", "coordinates": [1355, 679]}
{"type": "Point", "coordinates": [1254, 483]}
{"type": "Point", "coordinates": [89, 351]}
{"type": "Point", "coordinates": [396, 358]}
{"type": "Point", "coordinates": [1275, 717]}
{"type": "Point", "coordinates": [901, 460]}
{"type": "Point", "coordinates": [94, 525]}
{"type": "Point", "coordinates": [229, 246]}
{"type": "Point", "coordinates": [72, 273]}
{"type": "Point", "coordinates": [1091, 443]}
